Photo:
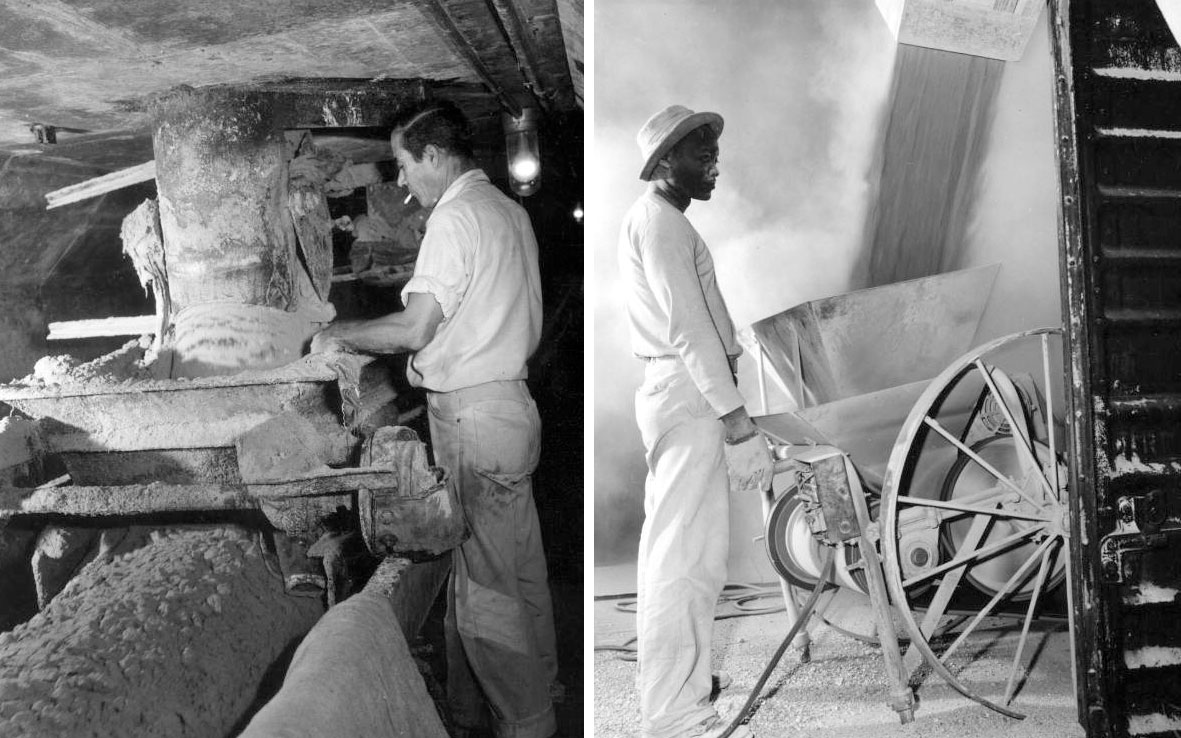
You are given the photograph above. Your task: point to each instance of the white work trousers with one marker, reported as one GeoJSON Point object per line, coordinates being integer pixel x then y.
{"type": "Point", "coordinates": [683, 548]}
{"type": "Point", "coordinates": [499, 625]}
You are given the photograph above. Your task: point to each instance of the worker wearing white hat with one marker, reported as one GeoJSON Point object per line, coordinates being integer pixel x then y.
{"type": "Point", "coordinates": [699, 440]}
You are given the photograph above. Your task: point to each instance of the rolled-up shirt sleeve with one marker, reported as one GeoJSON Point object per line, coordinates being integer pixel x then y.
{"type": "Point", "coordinates": [670, 267]}
{"type": "Point", "coordinates": [443, 265]}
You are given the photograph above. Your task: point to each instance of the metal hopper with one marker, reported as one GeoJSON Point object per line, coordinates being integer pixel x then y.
{"type": "Point", "coordinates": [855, 363]}
{"type": "Point", "coordinates": [874, 339]}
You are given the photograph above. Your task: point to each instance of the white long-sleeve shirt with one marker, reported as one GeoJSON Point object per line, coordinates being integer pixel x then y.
{"type": "Point", "coordinates": [673, 301]}
{"type": "Point", "coordinates": [479, 260]}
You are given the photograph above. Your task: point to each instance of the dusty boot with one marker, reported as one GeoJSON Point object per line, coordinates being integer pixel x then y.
{"type": "Point", "coordinates": [718, 682]}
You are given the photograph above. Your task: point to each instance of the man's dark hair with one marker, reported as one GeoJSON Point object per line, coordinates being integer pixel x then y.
{"type": "Point", "coordinates": [437, 122]}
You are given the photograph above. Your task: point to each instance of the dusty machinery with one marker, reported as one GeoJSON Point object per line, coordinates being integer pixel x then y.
{"type": "Point", "coordinates": [962, 477]}
{"type": "Point", "coordinates": [223, 412]}
{"type": "Point", "coordinates": [296, 443]}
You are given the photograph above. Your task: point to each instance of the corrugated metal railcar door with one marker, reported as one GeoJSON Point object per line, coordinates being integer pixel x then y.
{"type": "Point", "coordinates": [1119, 126]}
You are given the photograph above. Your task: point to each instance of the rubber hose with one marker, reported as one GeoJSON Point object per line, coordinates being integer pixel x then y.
{"type": "Point", "coordinates": [805, 613]}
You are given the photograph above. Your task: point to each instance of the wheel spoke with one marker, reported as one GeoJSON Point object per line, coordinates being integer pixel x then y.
{"type": "Point", "coordinates": [1037, 590]}
{"type": "Point", "coordinates": [1013, 582]}
{"type": "Point", "coordinates": [1020, 436]}
{"type": "Point", "coordinates": [989, 494]}
{"type": "Point", "coordinates": [934, 424]}
{"type": "Point", "coordinates": [970, 509]}
{"type": "Point", "coordinates": [977, 556]}
{"type": "Point", "coordinates": [947, 587]}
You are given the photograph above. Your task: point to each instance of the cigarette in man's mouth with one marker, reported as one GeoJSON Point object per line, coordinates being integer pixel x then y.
{"type": "Point", "coordinates": [407, 200]}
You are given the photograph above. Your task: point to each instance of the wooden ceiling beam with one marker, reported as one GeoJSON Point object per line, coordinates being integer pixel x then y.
{"type": "Point", "coordinates": [534, 31]}
{"type": "Point", "coordinates": [515, 28]}
{"type": "Point", "coordinates": [450, 29]}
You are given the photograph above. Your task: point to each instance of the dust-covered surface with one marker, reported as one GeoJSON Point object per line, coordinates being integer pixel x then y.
{"type": "Point", "coordinates": [127, 369]}
{"type": "Point", "coordinates": [170, 639]}
{"type": "Point", "coordinates": [129, 363]}
{"type": "Point", "coordinates": [843, 691]}
{"type": "Point", "coordinates": [100, 415]}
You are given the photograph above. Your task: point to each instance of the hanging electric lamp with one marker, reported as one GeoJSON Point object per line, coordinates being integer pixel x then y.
{"type": "Point", "coordinates": [523, 151]}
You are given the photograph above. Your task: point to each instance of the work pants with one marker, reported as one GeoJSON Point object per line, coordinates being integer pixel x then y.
{"type": "Point", "coordinates": [683, 548]}
{"type": "Point", "coordinates": [501, 649]}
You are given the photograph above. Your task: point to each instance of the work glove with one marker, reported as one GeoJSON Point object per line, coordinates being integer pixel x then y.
{"type": "Point", "coordinates": [750, 464]}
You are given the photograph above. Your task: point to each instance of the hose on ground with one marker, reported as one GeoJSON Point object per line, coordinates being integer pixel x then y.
{"type": "Point", "coordinates": [805, 613]}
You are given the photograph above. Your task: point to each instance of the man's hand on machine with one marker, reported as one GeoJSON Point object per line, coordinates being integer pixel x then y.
{"type": "Point", "coordinates": [748, 457]}
{"type": "Point", "coordinates": [327, 342]}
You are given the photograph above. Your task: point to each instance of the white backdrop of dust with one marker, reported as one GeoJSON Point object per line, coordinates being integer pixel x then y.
{"type": "Point", "coordinates": [802, 87]}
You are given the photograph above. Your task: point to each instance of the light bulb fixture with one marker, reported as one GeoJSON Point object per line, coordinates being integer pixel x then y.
{"type": "Point", "coordinates": [523, 151]}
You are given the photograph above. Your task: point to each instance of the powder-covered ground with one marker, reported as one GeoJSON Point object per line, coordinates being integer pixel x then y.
{"type": "Point", "coordinates": [169, 639]}
{"type": "Point", "coordinates": [843, 691]}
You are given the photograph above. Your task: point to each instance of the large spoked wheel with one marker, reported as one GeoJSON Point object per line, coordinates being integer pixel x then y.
{"type": "Point", "coordinates": [974, 507]}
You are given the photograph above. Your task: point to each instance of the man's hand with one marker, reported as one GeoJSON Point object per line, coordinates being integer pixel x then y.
{"type": "Point", "coordinates": [750, 464]}
{"type": "Point", "coordinates": [748, 457]}
{"type": "Point", "coordinates": [326, 342]}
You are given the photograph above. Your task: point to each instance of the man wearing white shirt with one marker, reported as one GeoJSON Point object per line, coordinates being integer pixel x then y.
{"type": "Point", "coordinates": [472, 319]}
{"type": "Point", "coordinates": [699, 440]}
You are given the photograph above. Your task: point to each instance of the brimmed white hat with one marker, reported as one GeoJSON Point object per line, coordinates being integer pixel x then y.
{"type": "Point", "coordinates": [662, 131]}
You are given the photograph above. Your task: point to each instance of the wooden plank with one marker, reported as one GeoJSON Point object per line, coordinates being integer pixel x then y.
{"type": "Point", "coordinates": [101, 185]}
{"type": "Point", "coordinates": [131, 325]}
{"type": "Point", "coordinates": [156, 497]}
